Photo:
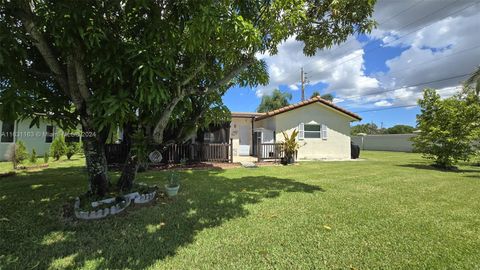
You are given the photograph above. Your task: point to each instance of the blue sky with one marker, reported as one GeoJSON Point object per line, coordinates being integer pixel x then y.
{"type": "Point", "coordinates": [415, 42]}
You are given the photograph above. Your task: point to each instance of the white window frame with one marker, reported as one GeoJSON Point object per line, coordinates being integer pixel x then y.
{"type": "Point", "coordinates": [319, 131]}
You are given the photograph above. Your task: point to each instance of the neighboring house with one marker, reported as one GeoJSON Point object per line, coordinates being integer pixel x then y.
{"type": "Point", "coordinates": [324, 130]}
{"type": "Point", "coordinates": [38, 138]}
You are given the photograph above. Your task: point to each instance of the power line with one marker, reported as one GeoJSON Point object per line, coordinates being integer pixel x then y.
{"type": "Point", "coordinates": [389, 108]}
{"type": "Point", "coordinates": [376, 48]}
{"type": "Point", "coordinates": [413, 85]}
{"type": "Point", "coordinates": [394, 107]}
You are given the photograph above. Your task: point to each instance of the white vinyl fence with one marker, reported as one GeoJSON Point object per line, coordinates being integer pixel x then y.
{"type": "Point", "coordinates": [385, 142]}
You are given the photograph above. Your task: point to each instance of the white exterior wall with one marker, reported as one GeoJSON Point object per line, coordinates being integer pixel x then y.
{"type": "Point", "coordinates": [337, 144]}
{"type": "Point", "coordinates": [386, 142]}
{"type": "Point", "coordinates": [34, 138]}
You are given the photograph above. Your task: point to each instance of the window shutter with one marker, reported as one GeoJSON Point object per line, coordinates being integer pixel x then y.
{"type": "Point", "coordinates": [301, 132]}
{"type": "Point", "coordinates": [324, 132]}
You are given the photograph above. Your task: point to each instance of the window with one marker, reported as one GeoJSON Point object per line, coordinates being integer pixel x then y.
{"type": "Point", "coordinates": [49, 135]}
{"type": "Point", "coordinates": [8, 130]}
{"type": "Point", "coordinates": [208, 137]}
{"type": "Point", "coordinates": [312, 131]}
{"type": "Point", "coordinates": [315, 131]}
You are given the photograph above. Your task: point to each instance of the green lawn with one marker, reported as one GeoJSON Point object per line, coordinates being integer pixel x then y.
{"type": "Point", "coordinates": [390, 211]}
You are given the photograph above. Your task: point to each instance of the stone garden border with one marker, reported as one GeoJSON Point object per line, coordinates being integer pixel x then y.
{"type": "Point", "coordinates": [134, 197]}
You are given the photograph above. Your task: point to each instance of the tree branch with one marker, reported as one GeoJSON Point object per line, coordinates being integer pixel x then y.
{"type": "Point", "coordinates": [226, 80]}
{"type": "Point", "coordinates": [44, 48]}
{"type": "Point", "coordinates": [81, 79]}
{"type": "Point", "coordinates": [192, 76]}
{"type": "Point", "coordinates": [163, 121]}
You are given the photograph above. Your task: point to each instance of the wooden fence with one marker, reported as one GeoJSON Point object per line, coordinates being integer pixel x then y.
{"type": "Point", "coordinates": [174, 153]}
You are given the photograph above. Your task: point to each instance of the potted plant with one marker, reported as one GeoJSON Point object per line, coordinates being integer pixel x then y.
{"type": "Point", "coordinates": [290, 147]}
{"type": "Point", "coordinates": [173, 185]}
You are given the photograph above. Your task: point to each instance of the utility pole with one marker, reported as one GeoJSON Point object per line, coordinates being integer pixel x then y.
{"type": "Point", "coordinates": [303, 81]}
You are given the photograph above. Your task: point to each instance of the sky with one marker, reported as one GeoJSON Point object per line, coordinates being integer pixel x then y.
{"type": "Point", "coordinates": [381, 75]}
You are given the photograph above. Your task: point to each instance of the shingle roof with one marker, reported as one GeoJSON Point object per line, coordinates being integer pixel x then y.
{"type": "Point", "coordinates": [308, 102]}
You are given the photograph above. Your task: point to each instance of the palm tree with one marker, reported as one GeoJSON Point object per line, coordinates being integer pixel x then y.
{"type": "Point", "coordinates": [475, 79]}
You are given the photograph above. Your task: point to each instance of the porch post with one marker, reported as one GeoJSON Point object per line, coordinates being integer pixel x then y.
{"type": "Point", "coordinates": [231, 150]}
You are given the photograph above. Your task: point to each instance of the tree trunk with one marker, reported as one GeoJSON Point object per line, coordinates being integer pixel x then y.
{"type": "Point", "coordinates": [131, 165]}
{"type": "Point", "coordinates": [129, 171]}
{"type": "Point", "coordinates": [96, 164]}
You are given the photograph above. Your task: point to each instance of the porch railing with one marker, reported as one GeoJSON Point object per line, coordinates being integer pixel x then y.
{"type": "Point", "coordinates": [174, 153]}
{"type": "Point", "coordinates": [270, 151]}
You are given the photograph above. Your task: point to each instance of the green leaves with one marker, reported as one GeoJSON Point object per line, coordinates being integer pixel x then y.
{"type": "Point", "coordinates": [448, 128]}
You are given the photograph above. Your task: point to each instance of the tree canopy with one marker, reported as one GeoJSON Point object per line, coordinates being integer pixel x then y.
{"type": "Point", "coordinates": [328, 97]}
{"type": "Point", "coordinates": [371, 129]}
{"type": "Point", "coordinates": [276, 100]}
{"type": "Point", "coordinates": [400, 129]}
{"type": "Point", "coordinates": [150, 66]}
{"type": "Point", "coordinates": [368, 128]}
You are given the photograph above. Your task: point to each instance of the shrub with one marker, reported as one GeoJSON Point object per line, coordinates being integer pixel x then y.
{"type": "Point", "coordinates": [58, 147]}
{"type": "Point", "coordinates": [46, 157]}
{"type": "Point", "coordinates": [72, 149]}
{"type": "Point", "coordinates": [21, 153]}
{"type": "Point", "coordinates": [33, 156]}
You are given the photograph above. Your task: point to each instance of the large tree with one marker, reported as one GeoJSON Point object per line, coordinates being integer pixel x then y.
{"type": "Point", "coordinates": [276, 100]}
{"type": "Point", "coordinates": [149, 65]}
{"type": "Point", "coordinates": [448, 128]}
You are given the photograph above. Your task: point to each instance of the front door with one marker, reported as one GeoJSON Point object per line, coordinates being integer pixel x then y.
{"type": "Point", "coordinates": [244, 141]}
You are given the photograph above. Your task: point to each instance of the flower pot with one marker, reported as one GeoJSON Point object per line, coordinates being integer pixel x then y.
{"type": "Point", "coordinates": [171, 191]}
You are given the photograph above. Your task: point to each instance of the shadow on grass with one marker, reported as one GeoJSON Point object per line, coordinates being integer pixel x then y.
{"type": "Point", "coordinates": [433, 168]}
{"type": "Point", "coordinates": [135, 240]}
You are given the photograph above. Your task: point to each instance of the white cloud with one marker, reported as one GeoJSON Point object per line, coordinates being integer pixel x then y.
{"type": "Point", "coordinates": [383, 103]}
{"type": "Point", "coordinates": [326, 66]}
{"type": "Point", "coordinates": [440, 41]}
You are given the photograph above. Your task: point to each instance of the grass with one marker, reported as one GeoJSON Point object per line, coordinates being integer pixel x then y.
{"type": "Point", "coordinates": [391, 211]}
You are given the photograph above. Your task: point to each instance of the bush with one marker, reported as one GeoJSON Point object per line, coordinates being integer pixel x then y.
{"type": "Point", "coordinates": [72, 149]}
{"type": "Point", "coordinates": [21, 153]}
{"type": "Point", "coordinates": [58, 147]}
{"type": "Point", "coordinates": [46, 158]}
{"type": "Point", "coordinates": [33, 156]}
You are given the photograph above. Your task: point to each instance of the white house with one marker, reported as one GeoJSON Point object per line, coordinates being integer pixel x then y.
{"type": "Point", "coordinates": [324, 129]}
{"type": "Point", "coordinates": [38, 138]}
